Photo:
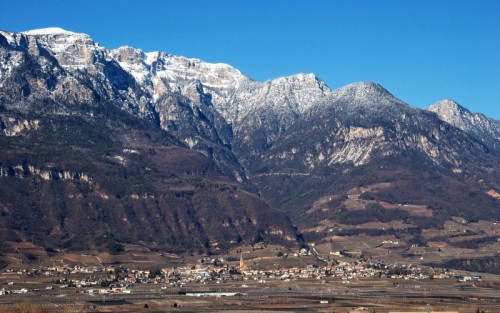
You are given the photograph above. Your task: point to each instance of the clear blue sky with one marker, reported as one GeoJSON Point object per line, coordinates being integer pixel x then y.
{"type": "Point", "coordinates": [421, 51]}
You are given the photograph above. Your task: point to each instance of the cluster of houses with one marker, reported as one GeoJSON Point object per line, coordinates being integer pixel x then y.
{"type": "Point", "coordinates": [106, 280]}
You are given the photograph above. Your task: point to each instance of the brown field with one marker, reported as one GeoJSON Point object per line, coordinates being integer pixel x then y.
{"type": "Point", "coordinates": [354, 202]}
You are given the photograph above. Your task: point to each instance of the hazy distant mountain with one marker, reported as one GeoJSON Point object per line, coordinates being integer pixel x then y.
{"type": "Point", "coordinates": [176, 152]}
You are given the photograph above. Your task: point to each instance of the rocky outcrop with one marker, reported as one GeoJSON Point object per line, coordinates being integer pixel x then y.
{"type": "Point", "coordinates": [475, 124]}
{"type": "Point", "coordinates": [14, 127]}
{"type": "Point", "coordinates": [27, 170]}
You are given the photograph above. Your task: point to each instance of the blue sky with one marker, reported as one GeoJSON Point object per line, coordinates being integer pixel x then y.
{"type": "Point", "coordinates": [421, 51]}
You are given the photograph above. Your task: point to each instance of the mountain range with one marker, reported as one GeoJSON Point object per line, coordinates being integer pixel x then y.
{"type": "Point", "coordinates": [106, 147]}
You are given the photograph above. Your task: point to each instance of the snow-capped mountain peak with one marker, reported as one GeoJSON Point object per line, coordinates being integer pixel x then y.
{"type": "Point", "coordinates": [365, 94]}
{"type": "Point", "coordinates": [362, 90]}
{"type": "Point", "coordinates": [48, 31]}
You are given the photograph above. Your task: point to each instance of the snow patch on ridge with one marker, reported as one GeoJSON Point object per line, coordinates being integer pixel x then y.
{"type": "Point", "coordinates": [48, 31]}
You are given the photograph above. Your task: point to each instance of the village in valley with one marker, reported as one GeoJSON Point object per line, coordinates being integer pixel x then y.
{"type": "Point", "coordinates": [281, 278]}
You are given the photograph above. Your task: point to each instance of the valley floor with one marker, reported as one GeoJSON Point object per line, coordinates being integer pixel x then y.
{"type": "Point", "coordinates": [305, 295]}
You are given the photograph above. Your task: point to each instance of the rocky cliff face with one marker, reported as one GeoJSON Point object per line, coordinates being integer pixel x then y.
{"type": "Point", "coordinates": [475, 124]}
{"type": "Point", "coordinates": [64, 66]}
{"type": "Point", "coordinates": [292, 139]}
{"type": "Point", "coordinates": [90, 148]}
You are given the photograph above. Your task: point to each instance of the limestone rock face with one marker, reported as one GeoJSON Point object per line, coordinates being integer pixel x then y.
{"type": "Point", "coordinates": [475, 124]}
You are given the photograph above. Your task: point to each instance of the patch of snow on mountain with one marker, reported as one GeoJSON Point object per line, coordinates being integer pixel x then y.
{"type": "Point", "coordinates": [48, 31]}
